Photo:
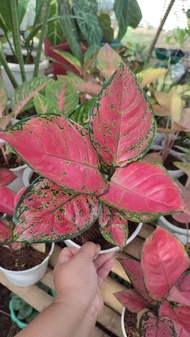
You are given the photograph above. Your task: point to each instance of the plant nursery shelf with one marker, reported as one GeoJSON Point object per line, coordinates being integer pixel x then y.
{"type": "Point", "coordinates": [109, 322]}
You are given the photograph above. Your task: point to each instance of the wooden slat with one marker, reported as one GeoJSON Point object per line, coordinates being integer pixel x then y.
{"type": "Point", "coordinates": [134, 248]}
{"type": "Point", "coordinates": [146, 229]}
{"type": "Point", "coordinates": [109, 287]}
{"type": "Point", "coordinates": [111, 320]}
{"type": "Point", "coordinates": [99, 333]}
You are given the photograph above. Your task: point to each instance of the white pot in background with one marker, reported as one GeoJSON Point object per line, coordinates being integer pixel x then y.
{"type": "Point", "coordinates": [17, 184]}
{"type": "Point", "coordinates": [27, 174]}
{"type": "Point", "coordinates": [71, 243]}
{"type": "Point", "coordinates": [122, 323]}
{"type": "Point", "coordinates": [30, 276]}
{"type": "Point", "coordinates": [15, 68]}
{"type": "Point", "coordinates": [182, 234]}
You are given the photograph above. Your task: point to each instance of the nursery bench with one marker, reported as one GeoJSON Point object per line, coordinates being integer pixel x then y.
{"type": "Point", "coordinates": [109, 322]}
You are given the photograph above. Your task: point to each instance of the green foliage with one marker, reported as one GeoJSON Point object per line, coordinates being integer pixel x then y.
{"type": "Point", "coordinates": [105, 24]}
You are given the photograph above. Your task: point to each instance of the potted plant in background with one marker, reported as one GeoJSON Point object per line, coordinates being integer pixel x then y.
{"type": "Point", "coordinates": [25, 56]}
{"type": "Point", "coordinates": [160, 294]}
{"type": "Point", "coordinates": [22, 264]}
{"type": "Point", "coordinates": [102, 178]}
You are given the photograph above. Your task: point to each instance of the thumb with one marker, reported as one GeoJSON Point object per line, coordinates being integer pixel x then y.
{"type": "Point", "coordinates": [90, 250]}
{"type": "Point", "coordinates": [66, 254]}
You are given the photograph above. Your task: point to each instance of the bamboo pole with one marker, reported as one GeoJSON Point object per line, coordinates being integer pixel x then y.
{"type": "Point", "coordinates": [162, 22]}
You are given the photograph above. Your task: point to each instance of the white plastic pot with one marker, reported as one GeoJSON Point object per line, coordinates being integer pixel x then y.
{"type": "Point", "coordinates": [72, 244]}
{"type": "Point", "coordinates": [30, 276]}
{"type": "Point", "coordinates": [122, 322]}
{"type": "Point", "coordinates": [15, 68]}
{"type": "Point", "coordinates": [182, 234]}
{"type": "Point", "coordinates": [27, 174]}
{"type": "Point", "coordinates": [17, 184]}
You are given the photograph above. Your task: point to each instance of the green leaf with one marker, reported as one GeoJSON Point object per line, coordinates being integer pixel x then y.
{"type": "Point", "coordinates": [128, 13]}
{"type": "Point", "coordinates": [65, 97]}
{"type": "Point", "coordinates": [26, 92]}
{"type": "Point", "coordinates": [88, 22]}
{"type": "Point", "coordinates": [69, 28]}
{"type": "Point", "coordinates": [42, 105]}
{"type": "Point", "coordinates": [3, 98]}
{"type": "Point", "coordinates": [105, 24]}
{"type": "Point", "coordinates": [5, 15]}
{"type": "Point", "coordinates": [54, 29]}
{"type": "Point", "coordinates": [83, 112]}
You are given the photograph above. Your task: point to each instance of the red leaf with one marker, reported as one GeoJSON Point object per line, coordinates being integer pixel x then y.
{"type": "Point", "coordinates": [122, 125]}
{"type": "Point", "coordinates": [46, 212]}
{"type": "Point", "coordinates": [6, 200]}
{"type": "Point", "coordinates": [178, 313]}
{"type": "Point", "coordinates": [152, 325]}
{"type": "Point", "coordinates": [143, 191]}
{"type": "Point", "coordinates": [6, 176]}
{"type": "Point", "coordinates": [131, 300]}
{"type": "Point", "coordinates": [163, 261]}
{"type": "Point", "coordinates": [113, 226]}
{"type": "Point", "coordinates": [60, 151]}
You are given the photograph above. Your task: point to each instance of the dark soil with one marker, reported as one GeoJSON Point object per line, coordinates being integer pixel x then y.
{"type": "Point", "coordinates": [21, 259]}
{"type": "Point", "coordinates": [93, 234]}
{"type": "Point", "coordinates": [176, 223]}
{"type": "Point", "coordinates": [130, 321]}
{"type": "Point", "coordinates": [7, 327]}
{"type": "Point", "coordinates": [10, 161]}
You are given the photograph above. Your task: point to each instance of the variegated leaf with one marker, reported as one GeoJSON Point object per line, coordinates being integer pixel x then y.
{"type": "Point", "coordinates": [46, 212]}
{"type": "Point", "coordinates": [6, 200]}
{"type": "Point", "coordinates": [64, 98]}
{"type": "Point", "coordinates": [82, 113]}
{"type": "Point", "coordinates": [6, 231]}
{"type": "Point", "coordinates": [42, 105]}
{"type": "Point", "coordinates": [107, 61]}
{"type": "Point", "coordinates": [144, 191]}
{"type": "Point", "coordinates": [3, 98]}
{"type": "Point", "coordinates": [122, 125]}
{"type": "Point", "coordinates": [175, 105]}
{"type": "Point", "coordinates": [163, 261]}
{"type": "Point", "coordinates": [178, 313]}
{"type": "Point", "coordinates": [152, 325]}
{"type": "Point", "coordinates": [131, 300]}
{"type": "Point", "coordinates": [26, 92]}
{"type": "Point", "coordinates": [113, 226]}
{"type": "Point", "coordinates": [6, 176]}
{"type": "Point", "coordinates": [59, 150]}
{"type": "Point", "coordinates": [149, 75]}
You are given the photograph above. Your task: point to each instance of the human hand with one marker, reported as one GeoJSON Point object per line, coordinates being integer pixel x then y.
{"type": "Point", "coordinates": [79, 274]}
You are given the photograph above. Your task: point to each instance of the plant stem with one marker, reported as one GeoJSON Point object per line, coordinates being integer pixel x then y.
{"type": "Point", "coordinates": [16, 38]}
{"type": "Point", "coordinates": [7, 70]}
{"type": "Point", "coordinates": [41, 39]}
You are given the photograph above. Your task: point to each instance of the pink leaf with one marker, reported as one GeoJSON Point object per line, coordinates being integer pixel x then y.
{"type": "Point", "coordinates": [5, 231]}
{"type": "Point", "coordinates": [135, 273]}
{"type": "Point", "coordinates": [177, 296]}
{"type": "Point", "coordinates": [6, 200]}
{"type": "Point", "coordinates": [47, 213]}
{"type": "Point", "coordinates": [113, 226]}
{"type": "Point", "coordinates": [122, 124]}
{"type": "Point", "coordinates": [163, 261]}
{"type": "Point", "coordinates": [143, 191]}
{"type": "Point", "coordinates": [131, 300]}
{"type": "Point", "coordinates": [184, 217]}
{"type": "Point", "coordinates": [6, 176]}
{"type": "Point", "coordinates": [60, 151]}
{"type": "Point", "coordinates": [180, 314]}
{"type": "Point", "coordinates": [152, 325]}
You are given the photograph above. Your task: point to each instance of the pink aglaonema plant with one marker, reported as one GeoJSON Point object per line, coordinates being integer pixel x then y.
{"type": "Point", "coordinates": [161, 287]}
{"type": "Point", "coordinates": [8, 201]}
{"type": "Point", "coordinates": [95, 175]}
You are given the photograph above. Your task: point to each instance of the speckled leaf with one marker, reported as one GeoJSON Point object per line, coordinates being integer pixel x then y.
{"type": "Point", "coordinates": [163, 261]}
{"type": "Point", "coordinates": [3, 98]}
{"type": "Point", "coordinates": [82, 113]}
{"type": "Point", "coordinates": [113, 226]}
{"type": "Point", "coordinates": [107, 61]}
{"type": "Point", "coordinates": [131, 300]}
{"type": "Point", "coordinates": [59, 150]}
{"type": "Point", "coordinates": [64, 98]}
{"type": "Point", "coordinates": [5, 231]}
{"type": "Point", "coordinates": [26, 92]}
{"type": "Point", "coordinates": [178, 313]}
{"type": "Point", "coordinates": [42, 105]}
{"type": "Point", "coordinates": [152, 325]}
{"type": "Point", "coordinates": [46, 212]}
{"type": "Point", "coordinates": [144, 191]}
{"type": "Point", "coordinates": [6, 200]}
{"type": "Point", "coordinates": [122, 125]}
{"type": "Point", "coordinates": [6, 176]}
